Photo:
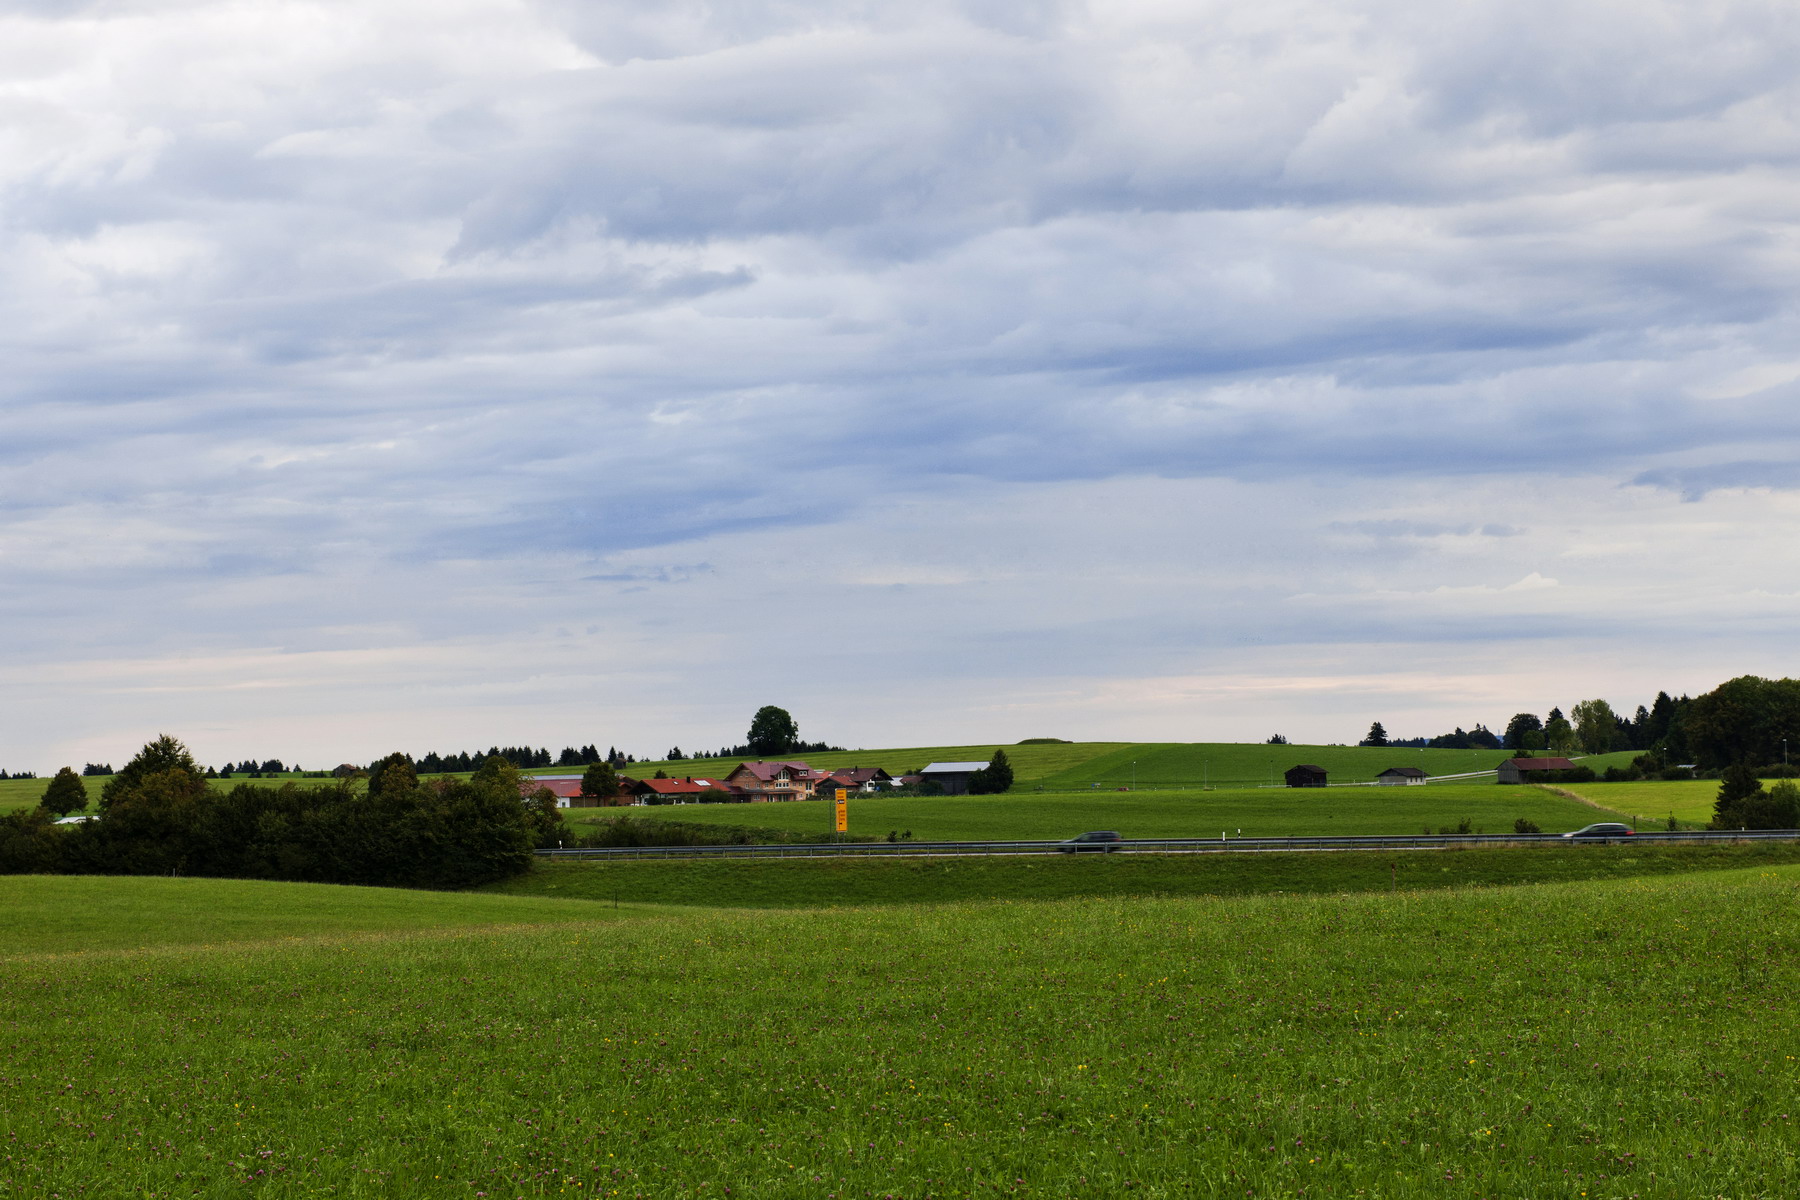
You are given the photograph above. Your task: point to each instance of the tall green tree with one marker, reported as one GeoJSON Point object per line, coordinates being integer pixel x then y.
{"type": "Point", "coordinates": [1559, 735]}
{"type": "Point", "coordinates": [773, 732]}
{"type": "Point", "coordinates": [164, 762]}
{"type": "Point", "coordinates": [66, 794]}
{"type": "Point", "coordinates": [1377, 736]}
{"type": "Point", "coordinates": [994, 778]}
{"type": "Point", "coordinates": [600, 782]}
{"type": "Point", "coordinates": [1596, 726]}
{"type": "Point", "coordinates": [393, 774]}
{"type": "Point", "coordinates": [1740, 794]}
{"type": "Point", "coordinates": [1744, 719]}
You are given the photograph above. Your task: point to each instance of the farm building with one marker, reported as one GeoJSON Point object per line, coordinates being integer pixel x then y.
{"type": "Point", "coordinates": [1305, 775]}
{"type": "Point", "coordinates": [1401, 777]}
{"type": "Point", "coordinates": [953, 777]}
{"type": "Point", "coordinates": [1517, 770]}
{"type": "Point", "coordinates": [866, 779]}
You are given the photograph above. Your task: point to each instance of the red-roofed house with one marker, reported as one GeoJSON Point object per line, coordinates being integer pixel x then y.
{"type": "Point", "coordinates": [676, 790]}
{"type": "Point", "coordinates": [567, 790]}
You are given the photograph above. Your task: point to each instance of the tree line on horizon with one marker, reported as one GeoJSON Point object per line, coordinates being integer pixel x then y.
{"type": "Point", "coordinates": [162, 816]}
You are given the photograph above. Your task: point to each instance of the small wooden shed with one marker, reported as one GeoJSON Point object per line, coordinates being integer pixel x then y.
{"type": "Point", "coordinates": [1401, 777]}
{"type": "Point", "coordinates": [1520, 770]}
{"type": "Point", "coordinates": [1305, 775]}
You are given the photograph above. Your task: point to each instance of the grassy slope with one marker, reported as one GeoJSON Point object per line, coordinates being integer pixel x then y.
{"type": "Point", "coordinates": [1077, 765]}
{"type": "Point", "coordinates": [1688, 800]}
{"type": "Point", "coordinates": [16, 794]}
{"type": "Point", "coordinates": [1635, 1038]}
{"type": "Point", "coordinates": [801, 883]}
{"type": "Point", "coordinates": [1277, 812]}
{"type": "Point", "coordinates": [61, 913]}
{"type": "Point", "coordinates": [1158, 764]}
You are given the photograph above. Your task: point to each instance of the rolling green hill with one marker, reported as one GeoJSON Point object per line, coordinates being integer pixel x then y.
{"type": "Point", "coordinates": [1267, 812]}
{"type": "Point", "coordinates": [1631, 1037]}
{"type": "Point", "coordinates": [1077, 765]}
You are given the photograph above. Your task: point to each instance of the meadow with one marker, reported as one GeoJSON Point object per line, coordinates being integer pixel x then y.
{"type": "Point", "coordinates": [1268, 812]}
{"type": "Point", "coordinates": [1079, 765]}
{"type": "Point", "coordinates": [856, 882]}
{"type": "Point", "coordinates": [1632, 1038]}
{"type": "Point", "coordinates": [1067, 766]}
{"type": "Point", "coordinates": [55, 914]}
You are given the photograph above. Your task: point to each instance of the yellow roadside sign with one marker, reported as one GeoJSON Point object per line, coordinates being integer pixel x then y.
{"type": "Point", "coordinates": [843, 812]}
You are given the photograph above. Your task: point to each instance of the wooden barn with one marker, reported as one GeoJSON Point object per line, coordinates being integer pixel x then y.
{"type": "Point", "coordinates": [1305, 775]}
{"type": "Point", "coordinates": [1402, 777]}
{"type": "Point", "coordinates": [1519, 770]}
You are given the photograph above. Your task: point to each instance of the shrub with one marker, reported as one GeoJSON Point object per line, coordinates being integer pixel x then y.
{"type": "Point", "coordinates": [1616, 774]}
{"type": "Point", "coordinates": [1673, 773]}
{"type": "Point", "coordinates": [1526, 825]}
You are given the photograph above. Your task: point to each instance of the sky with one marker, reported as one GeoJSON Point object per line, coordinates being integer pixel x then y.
{"type": "Point", "coordinates": [413, 375]}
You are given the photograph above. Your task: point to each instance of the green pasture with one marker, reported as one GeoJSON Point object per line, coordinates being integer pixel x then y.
{"type": "Point", "coordinates": [50, 914]}
{"type": "Point", "coordinates": [16, 794]}
{"type": "Point", "coordinates": [1626, 1038]}
{"type": "Point", "coordinates": [1267, 812]}
{"type": "Point", "coordinates": [1031, 763]}
{"type": "Point", "coordinates": [1149, 764]}
{"type": "Point", "coordinates": [822, 882]}
{"type": "Point", "coordinates": [1687, 800]}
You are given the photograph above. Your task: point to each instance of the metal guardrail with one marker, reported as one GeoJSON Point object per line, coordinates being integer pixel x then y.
{"type": "Point", "coordinates": [1240, 845]}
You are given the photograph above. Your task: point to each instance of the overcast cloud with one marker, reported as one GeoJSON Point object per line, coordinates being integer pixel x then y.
{"type": "Point", "coordinates": [402, 374]}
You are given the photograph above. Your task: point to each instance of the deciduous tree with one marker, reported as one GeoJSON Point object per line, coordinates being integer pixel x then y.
{"type": "Point", "coordinates": [773, 732]}
{"type": "Point", "coordinates": [66, 794]}
{"type": "Point", "coordinates": [1596, 725]}
{"type": "Point", "coordinates": [600, 782]}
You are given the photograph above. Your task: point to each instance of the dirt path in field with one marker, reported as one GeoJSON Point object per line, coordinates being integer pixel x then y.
{"type": "Point", "coordinates": [1566, 794]}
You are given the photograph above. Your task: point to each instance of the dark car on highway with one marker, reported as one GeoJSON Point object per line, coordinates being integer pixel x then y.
{"type": "Point", "coordinates": [1103, 840]}
{"type": "Point", "coordinates": [1603, 831]}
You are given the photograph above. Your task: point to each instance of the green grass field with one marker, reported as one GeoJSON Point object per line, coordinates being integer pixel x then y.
{"type": "Point", "coordinates": [1633, 1038]}
{"type": "Point", "coordinates": [1078, 766]}
{"type": "Point", "coordinates": [16, 794]}
{"type": "Point", "coordinates": [823, 882]}
{"type": "Point", "coordinates": [1687, 800]}
{"type": "Point", "coordinates": [1270, 812]}
{"type": "Point", "coordinates": [62, 913]}
{"type": "Point", "coordinates": [1150, 764]}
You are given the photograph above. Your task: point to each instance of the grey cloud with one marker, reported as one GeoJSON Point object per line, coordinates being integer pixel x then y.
{"type": "Point", "coordinates": [1399, 528]}
{"type": "Point", "coordinates": [1694, 483]}
{"type": "Point", "coordinates": [627, 276]}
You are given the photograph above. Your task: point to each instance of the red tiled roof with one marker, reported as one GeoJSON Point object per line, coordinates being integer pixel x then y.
{"type": "Point", "coordinates": [767, 771]}
{"type": "Point", "coordinates": [565, 788]}
{"type": "Point", "coordinates": [675, 787]}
